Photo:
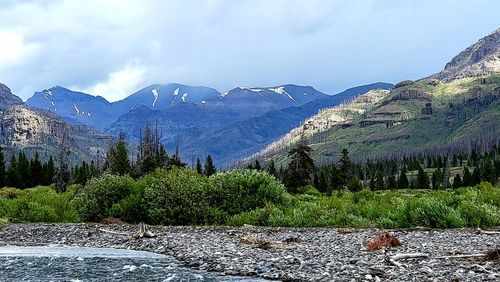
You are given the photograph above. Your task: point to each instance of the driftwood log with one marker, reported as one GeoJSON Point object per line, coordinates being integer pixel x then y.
{"type": "Point", "coordinates": [143, 232]}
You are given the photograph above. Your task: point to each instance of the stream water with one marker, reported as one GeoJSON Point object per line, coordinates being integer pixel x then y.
{"type": "Point", "coordinates": [64, 263]}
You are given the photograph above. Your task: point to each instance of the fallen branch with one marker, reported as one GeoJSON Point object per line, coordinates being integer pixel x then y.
{"type": "Point", "coordinates": [113, 232]}
{"type": "Point", "coordinates": [410, 255]}
{"type": "Point", "coordinates": [487, 232]}
{"type": "Point", "coordinates": [461, 256]}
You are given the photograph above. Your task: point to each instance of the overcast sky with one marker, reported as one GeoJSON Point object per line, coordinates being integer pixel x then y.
{"type": "Point", "coordinates": [113, 48]}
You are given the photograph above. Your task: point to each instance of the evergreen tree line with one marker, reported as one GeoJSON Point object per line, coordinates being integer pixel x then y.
{"type": "Point", "coordinates": [23, 173]}
{"type": "Point", "coordinates": [407, 172]}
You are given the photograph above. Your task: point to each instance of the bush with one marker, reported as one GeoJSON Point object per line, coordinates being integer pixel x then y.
{"type": "Point", "coordinates": [95, 200]}
{"type": "Point", "coordinates": [10, 193]}
{"type": "Point", "coordinates": [39, 204]}
{"type": "Point", "coordinates": [427, 212]}
{"type": "Point", "coordinates": [178, 197]}
{"type": "Point", "coordinates": [243, 190]}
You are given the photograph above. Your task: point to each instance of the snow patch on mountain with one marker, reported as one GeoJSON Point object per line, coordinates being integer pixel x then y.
{"type": "Point", "coordinates": [176, 92]}
{"type": "Point", "coordinates": [184, 97]}
{"type": "Point", "coordinates": [281, 90]}
{"type": "Point", "coordinates": [76, 109]}
{"type": "Point", "coordinates": [155, 94]}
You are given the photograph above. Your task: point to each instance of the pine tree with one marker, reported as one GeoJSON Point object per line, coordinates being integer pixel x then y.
{"type": "Point", "coordinates": [323, 182]}
{"type": "Point", "coordinates": [3, 172]}
{"type": "Point", "coordinates": [23, 169]}
{"type": "Point", "coordinates": [300, 167]}
{"type": "Point", "coordinates": [403, 179]}
{"type": "Point", "coordinates": [117, 157]}
{"type": "Point", "coordinates": [48, 172]}
{"type": "Point", "coordinates": [36, 170]}
{"type": "Point", "coordinates": [467, 180]}
{"type": "Point", "coordinates": [345, 165]}
{"type": "Point", "coordinates": [487, 171]}
{"type": "Point", "coordinates": [476, 176]}
{"type": "Point", "coordinates": [62, 176]}
{"type": "Point", "coordinates": [271, 169]}
{"type": "Point", "coordinates": [199, 168]}
{"type": "Point", "coordinates": [257, 165]}
{"type": "Point", "coordinates": [422, 179]}
{"type": "Point", "coordinates": [175, 160]}
{"type": "Point", "coordinates": [336, 180]}
{"type": "Point", "coordinates": [13, 177]}
{"type": "Point", "coordinates": [434, 181]}
{"type": "Point", "coordinates": [210, 168]}
{"type": "Point", "coordinates": [457, 181]}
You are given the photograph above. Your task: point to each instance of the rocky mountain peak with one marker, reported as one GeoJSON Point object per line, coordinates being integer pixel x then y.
{"type": "Point", "coordinates": [481, 58]}
{"type": "Point", "coordinates": [7, 98]}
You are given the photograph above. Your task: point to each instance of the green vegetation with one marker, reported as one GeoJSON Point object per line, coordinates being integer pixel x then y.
{"type": "Point", "coordinates": [477, 206]}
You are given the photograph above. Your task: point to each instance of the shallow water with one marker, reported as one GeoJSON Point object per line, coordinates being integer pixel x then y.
{"type": "Point", "coordinates": [63, 263]}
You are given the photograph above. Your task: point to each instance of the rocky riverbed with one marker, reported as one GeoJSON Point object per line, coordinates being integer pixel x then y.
{"type": "Point", "coordinates": [290, 254]}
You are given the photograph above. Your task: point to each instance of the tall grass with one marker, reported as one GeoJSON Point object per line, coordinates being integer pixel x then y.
{"type": "Point", "coordinates": [477, 206]}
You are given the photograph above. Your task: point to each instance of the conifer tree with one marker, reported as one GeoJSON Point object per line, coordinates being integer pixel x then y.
{"type": "Point", "coordinates": [391, 182]}
{"type": "Point", "coordinates": [487, 171]}
{"type": "Point", "coordinates": [457, 181]}
{"type": "Point", "coordinates": [210, 168]}
{"type": "Point", "coordinates": [36, 170]}
{"type": "Point", "coordinates": [199, 168]}
{"type": "Point", "coordinates": [48, 172]}
{"type": "Point", "coordinates": [467, 180]}
{"type": "Point", "coordinates": [13, 177]}
{"type": "Point", "coordinates": [345, 165]}
{"type": "Point", "coordinates": [175, 160]}
{"type": "Point", "coordinates": [476, 176]}
{"type": "Point", "coordinates": [271, 169]}
{"type": "Point", "coordinates": [300, 167]}
{"type": "Point", "coordinates": [336, 180]}
{"type": "Point", "coordinates": [257, 165]}
{"type": "Point", "coordinates": [422, 179]}
{"type": "Point", "coordinates": [23, 169]}
{"type": "Point", "coordinates": [62, 176]}
{"type": "Point", "coordinates": [117, 157]}
{"type": "Point", "coordinates": [403, 179]}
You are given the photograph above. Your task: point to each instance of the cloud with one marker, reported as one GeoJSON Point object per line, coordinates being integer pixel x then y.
{"type": "Point", "coordinates": [13, 49]}
{"type": "Point", "coordinates": [113, 48]}
{"type": "Point", "coordinates": [120, 83]}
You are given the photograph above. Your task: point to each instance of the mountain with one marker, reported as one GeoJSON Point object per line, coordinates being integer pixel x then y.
{"type": "Point", "coordinates": [194, 124]}
{"type": "Point", "coordinates": [31, 130]}
{"type": "Point", "coordinates": [164, 96]}
{"type": "Point", "coordinates": [232, 141]}
{"type": "Point", "coordinates": [73, 106]}
{"type": "Point", "coordinates": [482, 58]}
{"type": "Point", "coordinates": [428, 115]}
{"type": "Point", "coordinates": [7, 99]}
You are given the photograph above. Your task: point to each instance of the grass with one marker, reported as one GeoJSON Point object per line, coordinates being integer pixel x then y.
{"type": "Point", "coordinates": [477, 206]}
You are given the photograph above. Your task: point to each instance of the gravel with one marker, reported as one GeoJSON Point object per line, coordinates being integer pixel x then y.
{"type": "Point", "coordinates": [289, 254]}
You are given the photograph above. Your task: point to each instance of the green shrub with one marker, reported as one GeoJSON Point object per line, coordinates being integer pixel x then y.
{"type": "Point", "coordinates": [178, 197]}
{"type": "Point", "coordinates": [10, 193]}
{"type": "Point", "coordinates": [309, 190]}
{"type": "Point", "coordinates": [238, 191]}
{"type": "Point", "coordinates": [479, 215]}
{"type": "Point", "coordinates": [39, 204]}
{"type": "Point", "coordinates": [95, 200]}
{"type": "Point", "coordinates": [426, 212]}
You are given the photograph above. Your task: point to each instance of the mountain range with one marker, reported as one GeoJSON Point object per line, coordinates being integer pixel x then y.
{"type": "Point", "coordinates": [247, 123]}
{"type": "Point", "coordinates": [458, 107]}
{"type": "Point", "coordinates": [201, 120]}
